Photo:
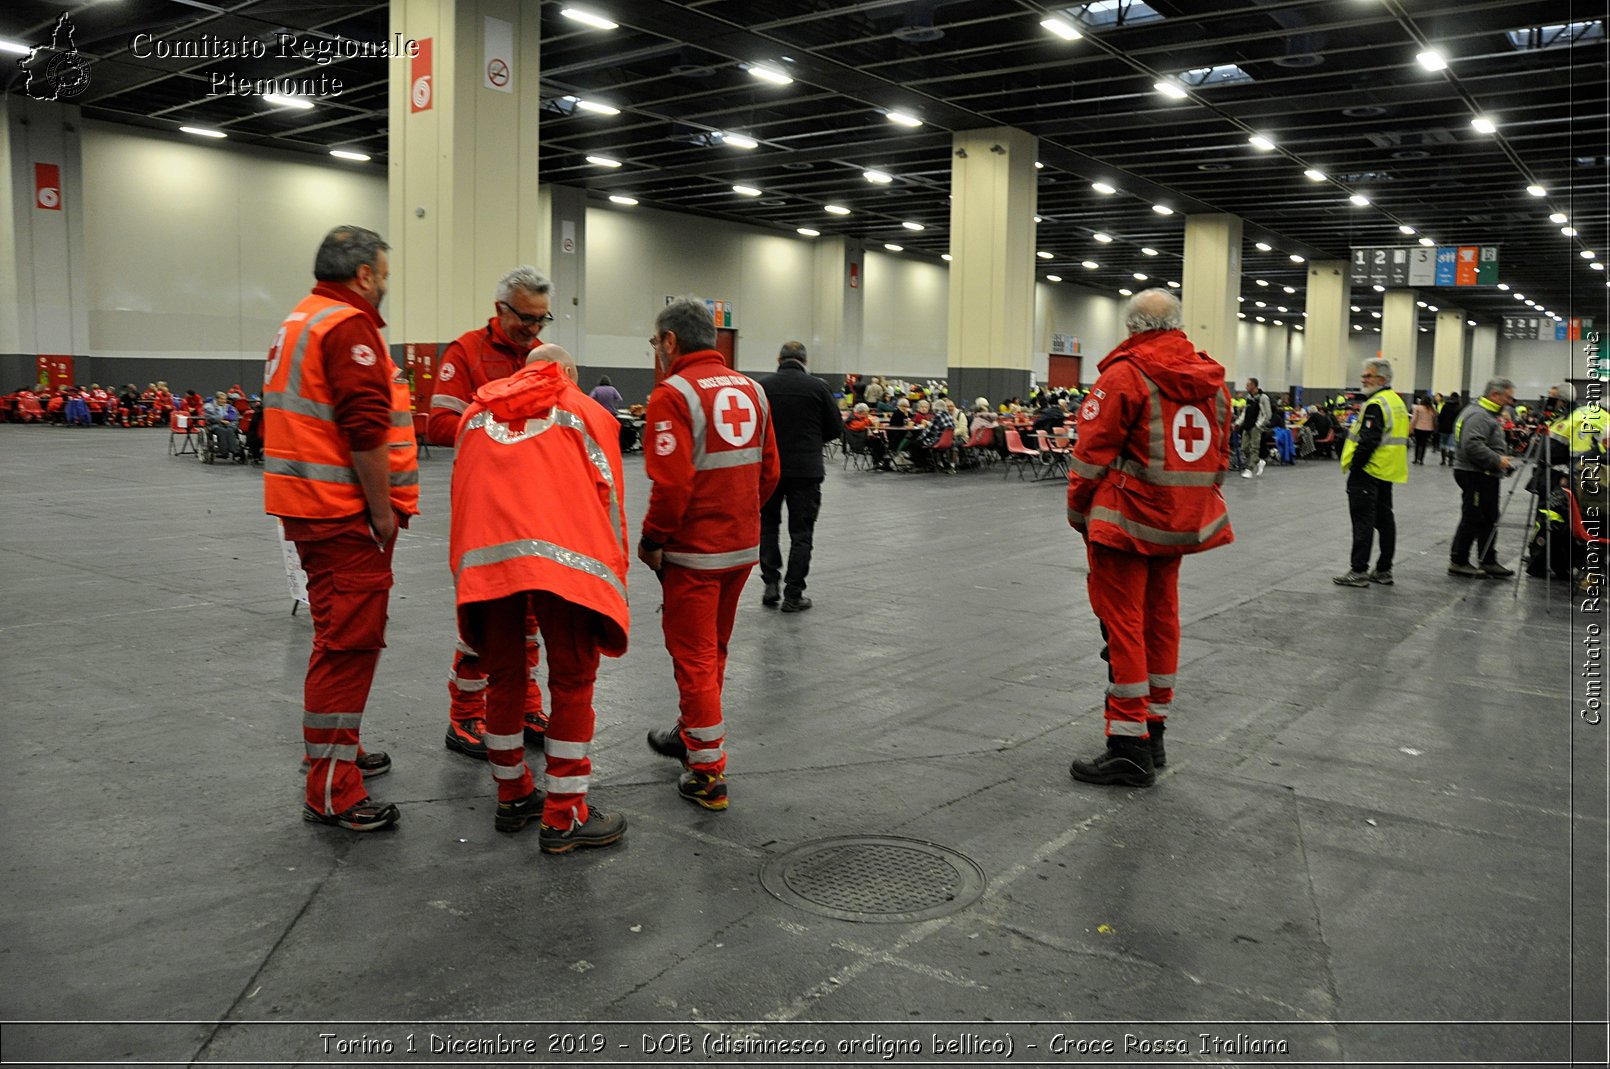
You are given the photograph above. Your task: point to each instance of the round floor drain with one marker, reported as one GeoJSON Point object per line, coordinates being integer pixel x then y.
{"type": "Point", "coordinates": [875, 878]}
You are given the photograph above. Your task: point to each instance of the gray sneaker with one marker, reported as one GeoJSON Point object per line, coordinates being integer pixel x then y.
{"type": "Point", "coordinates": [1383, 578]}
{"type": "Point", "coordinates": [1468, 571]}
{"type": "Point", "coordinates": [1352, 579]}
{"type": "Point", "coordinates": [1496, 570]}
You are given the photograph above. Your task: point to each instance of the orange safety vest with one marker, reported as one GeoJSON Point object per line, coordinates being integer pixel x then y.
{"type": "Point", "coordinates": [537, 499]}
{"type": "Point", "coordinates": [307, 466]}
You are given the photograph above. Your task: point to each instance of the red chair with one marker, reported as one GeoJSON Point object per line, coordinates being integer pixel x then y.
{"type": "Point", "coordinates": [1055, 455]}
{"type": "Point", "coordinates": [183, 428]}
{"type": "Point", "coordinates": [1019, 454]}
{"type": "Point", "coordinates": [982, 445]}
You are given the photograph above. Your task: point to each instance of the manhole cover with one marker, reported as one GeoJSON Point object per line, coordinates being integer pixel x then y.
{"type": "Point", "coordinates": [876, 878]}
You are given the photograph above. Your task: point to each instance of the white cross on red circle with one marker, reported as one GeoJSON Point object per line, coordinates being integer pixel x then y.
{"type": "Point", "coordinates": [736, 418]}
{"type": "Point", "coordinates": [1192, 433]}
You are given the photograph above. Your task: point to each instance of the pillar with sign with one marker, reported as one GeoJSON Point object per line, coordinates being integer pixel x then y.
{"type": "Point", "coordinates": [839, 298]}
{"type": "Point", "coordinates": [44, 279]}
{"type": "Point", "coordinates": [1400, 337]}
{"type": "Point", "coordinates": [1212, 284]}
{"type": "Point", "coordinates": [463, 170]}
{"type": "Point", "coordinates": [1448, 352]}
{"type": "Point", "coordinates": [991, 323]}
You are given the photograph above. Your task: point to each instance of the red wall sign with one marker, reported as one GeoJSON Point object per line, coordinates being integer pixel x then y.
{"type": "Point", "coordinates": [421, 82]}
{"type": "Point", "coordinates": [55, 371]}
{"type": "Point", "coordinates": [47, 186]}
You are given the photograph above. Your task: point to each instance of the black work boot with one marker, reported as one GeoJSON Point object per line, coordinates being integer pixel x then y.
{"type": "Point", "coordinates": [772, 595]}
{"type": "Point", "coordinates": [1159, 757]}
{"type": "Point", "coordinates": [1126, 762]}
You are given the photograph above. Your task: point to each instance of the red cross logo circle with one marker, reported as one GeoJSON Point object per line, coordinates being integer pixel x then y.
{"type": "Point", "coordinates": [735, 416]}
{"type": "Point", "coordinates": [1192, 433]}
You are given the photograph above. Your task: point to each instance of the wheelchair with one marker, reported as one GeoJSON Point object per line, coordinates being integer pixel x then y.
{"type": "Point", "coordinates": [211, 445]}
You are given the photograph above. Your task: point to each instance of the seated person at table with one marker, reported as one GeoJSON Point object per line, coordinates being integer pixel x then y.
{"type": "Point", "coordinates": [922, 443]}
{"type": "Point", "coordinates": [1051, 417]}
{"type": "Point", "coordinates": [860, 419]}
{"type": "Point", "coordinates": [923, 414]}
{"type": "Point", "coordinates": [983, 416]}
{"type": "Point", "coordinates": [27, 409]}
{"type": "Point", "coordinates": [221, 419]}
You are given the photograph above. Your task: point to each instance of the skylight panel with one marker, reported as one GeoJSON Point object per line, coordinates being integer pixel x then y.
{"type": "Point", "coordinates": [1106, 14]}
{"type": "Point", "coordinates": [1559, 35]}
{"type": "Point", "coordinates": [1223, 74]}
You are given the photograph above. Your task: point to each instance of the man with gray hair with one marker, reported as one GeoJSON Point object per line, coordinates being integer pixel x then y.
{"type": "Point", "coordinates": [1480, 461]}
{"type": "Point", "coordinates": [477, 357]}
{"type": "Point", "coordinates": [711, 456]}
{"type": "Point", "coordinates": [1375, 455]}
{"type": "Point", "coordinates": [1144, 490]}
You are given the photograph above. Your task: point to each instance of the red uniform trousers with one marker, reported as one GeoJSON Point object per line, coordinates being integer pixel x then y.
{"type": "Point", "coordinates": [466, 687]}
{"type": "Point", "coordinates": [699, 610]}
{"type": "Point", "coordinates": [497, 630]}
{"type": "Point", "coordinates": [1136, 598]}
{"type": "Point", "coordinates": [348, 587]}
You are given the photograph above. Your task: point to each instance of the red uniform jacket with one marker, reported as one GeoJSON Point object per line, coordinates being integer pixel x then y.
{"type": "Point", "coordinates": [711, 454]}
{"type": "Point", "coordinates": [476, 358]}
{"type": "Point", "coordinates": [537, 498]}
{"type": "Point", "coordinates": [1153, 447]}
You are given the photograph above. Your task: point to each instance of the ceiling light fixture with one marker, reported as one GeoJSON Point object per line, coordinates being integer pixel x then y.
{"type": "Point", "coordinates": [1103, 238]}
{"type": "Point", "coordinates": [603, 161]}
{"type": "Point", "coordinates": [1062, 29]}
{"type": "Point", "coordinates": [16, 48]}
{"type": "Point", "coordinates": [1264, 246]}
{"type": "Point", "coordinates": [287, 102]}
{"type": "Point", "coordinates": [894, 248]}
{"type": "Point", "coordinates": [347, 154]}
{"type": "Point", "coordinates": [597, 107]}
{"type": "Point", "coordinates": [769, 74]}
{"type": "Point", "coordinates": [807, 232]}
{"type": "Point", "coordinates": [903, 118]}
{"type": "Point", "coordinates": [1141, 277]}
{"type": "Point", "coordinates": [1170, 89]}
{"type": "Point", "coordinates": [913, 226]}
{"type": "Point", "coordinates": [835, 209]}
{"type": "Point", "coordinates": [1558, 217]}
{"type": "Point", "coordinates": [1261, 142]}
{"type": "Point", "coordinates": [1504, 286]}
{"type": "Point", "coordinates": [1428, 241]}
{"type": "Point", "coordinates": [1162, 209]}
{"type": "Point", "coordinates": [1103, 188]}
{"type": "Point", "coordinates": [1432, 60]}
{"type": "Point", "coordinates": [746, 191]}
{"type": "Point", "coordinates": [738, 141]}
{"type": "Point", "coordinates": [1597, 266]}
{"type": "Point", "coordinates": [1261, 281]}
{"type": "Point", "coordinates": [1042, 254]}
{"type": "Point", "coordinates": [1536, 190]}
{"type": "Point", "coordinates": [1289, 289]}
{"type": "Point", "coordinates": [1568, 231]}
{"type": "Point", "coordinates": [1483, 124]}
{"type": "Point", "coordinates": [1173, 285]}
{"type": "Point", "coordinates": [1148, 251]}
{"type": "Point", "coordinates": [1260, 304]}
{"type": "Point", "coordinates": [1314, 175]}
{"type": "Point", "coordinates": [1296, 259]}
{"type": "Point", "coordinates": [587, 18]}
{"type": "Point", "coordinates": [1587, 254]}
{"type": "Point", "coordinates": [1355, 308]}
{"type": "Point", "coordinates": [616, 198]}
{"type": "Point", "coordinates": [1126, 292]}
{"type": "Point", "coordinates": [1359, 200]}
{"type": "Point", "coordinates": [200, 131]}
{"type": "Point", "coordinates": [878, 178]}
{"type": "Point", "coordinates": [1378, 288]}
{"type": "Point", "coordinates": [1090, 264]}
{"type": "Point", "coordinates": [1053, 278]}
{"type": "Point", "coordinates": [1409, 230]}
{"type": "Point", "coordinates": [945, 256]}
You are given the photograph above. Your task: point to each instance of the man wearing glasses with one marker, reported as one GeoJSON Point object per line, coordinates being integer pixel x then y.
{"type": "Point", "coordinates": [1375, 456]}
{"type": "Point", "coordinates": [476, 358]}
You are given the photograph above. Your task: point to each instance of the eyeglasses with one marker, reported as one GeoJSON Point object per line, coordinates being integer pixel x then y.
{"type": "Point", "coordinates": [525, 320]}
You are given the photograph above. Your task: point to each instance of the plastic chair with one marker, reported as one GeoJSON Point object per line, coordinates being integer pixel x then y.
{"type": "Point", "coordinates": [1055, 456]}
{"type": "Point", "coordinates": [856, 450]}
{"type": "Point", "coordinates": [183, 429]}
{"type": "Point", "coordinates": [1019, 454]}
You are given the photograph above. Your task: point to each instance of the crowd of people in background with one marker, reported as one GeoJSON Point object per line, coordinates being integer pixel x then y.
{"type": "Point", "coordinates": [98, 406]}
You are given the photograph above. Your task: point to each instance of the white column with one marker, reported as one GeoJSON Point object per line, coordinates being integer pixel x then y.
{"type": "Point", "coordinates": [1212, 283]}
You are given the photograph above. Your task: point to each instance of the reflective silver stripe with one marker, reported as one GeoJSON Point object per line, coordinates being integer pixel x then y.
{"type": "Point", "coordinates": [402, 419]}
{"type": "Point", "coordinates": [1128, 728]}
{"type": "Point", "coordinates": [504, 742]}
{"type": "Point", "coordinates": [293, 383]}
{"type": "Point", "coordinates": [404, 478]}
{"type": "Point", "coordinates": [736, 458]}
{"type": "Point", "coordinates": [705, 757]}
{"type": "Point", "coordinates": [500, 433]}
{"type": "Point", "coordinates": [465, 650]}
{"type": "Point", "coordinates": [709, 734]}
{"type": "Point", "coordinates": [1086, 471]}
{"type": "Point", "coordinates": [1156, 535]}
{"type": "Point", "coordinates": [534, 674]}
{"type": "Point", "coordinates": [508, 771]}
{"type": "Point", "coordinates": [1125, 466]}
{"type": "Point", "coordinates": [1394, 441]}
{"type": "Point", "coordinates": [1128, 690]}
{"type": "Point", "coordinates": [1162, 682]}
{"type": "Point", "coordinates": [566, 784]}
{"type": "Point", "coordinates": [696, 424]}
{"type": "Point", "coordinates": [319, 751]}
{"type": "Point", "coordinates": [709, 562]}
{"type": "Point", "coordinates": [533, 547]}
{"type": "Point", "coordinates": [1078, 519]}
{"type": "Point", "coordinates": [467, 686]}
{"type": "Point", "coordinates": [445, 400]}
{"type": "Point", "coordinates": [301, 406]}
{"type": "Point", "coordinates": [570, 751]}
{"type": "Point", "coordinates": [332, 721]}
{"type": "Point", "coordinates": [530, 640]}
{"type": "Point", "coordinates": [301, 469]}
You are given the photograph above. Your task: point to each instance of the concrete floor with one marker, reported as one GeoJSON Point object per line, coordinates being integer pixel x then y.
{"type": "Point", "coordinates": [1381, 834]}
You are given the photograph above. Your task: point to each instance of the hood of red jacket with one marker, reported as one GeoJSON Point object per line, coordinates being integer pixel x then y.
{"type": "Point", "coordinates": [529, 393]}
{"type": "Point", "coordinates": [1169, 359]}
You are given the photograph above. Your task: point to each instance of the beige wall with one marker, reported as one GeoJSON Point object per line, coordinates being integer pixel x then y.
{"type": "Point", "coordinates": [907, 307]}
{"type": "Point", "coordinates": [197, 251]}
{"type": "Point", "coordinates": [1095, 318]}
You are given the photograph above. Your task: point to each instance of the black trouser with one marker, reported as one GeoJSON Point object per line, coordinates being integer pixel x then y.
{"type": "Point", "coordinates": [1478, 518]}
{"type": "Point", "coordinates": [804, 498]}
{"type": "Point", "coordinates": [1369, 503]}
{"type": "Point", "coordinates": [1422, 439]}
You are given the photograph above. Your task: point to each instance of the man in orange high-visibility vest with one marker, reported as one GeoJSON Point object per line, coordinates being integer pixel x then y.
{"type": "Point", "coordinates": [340, 470]}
